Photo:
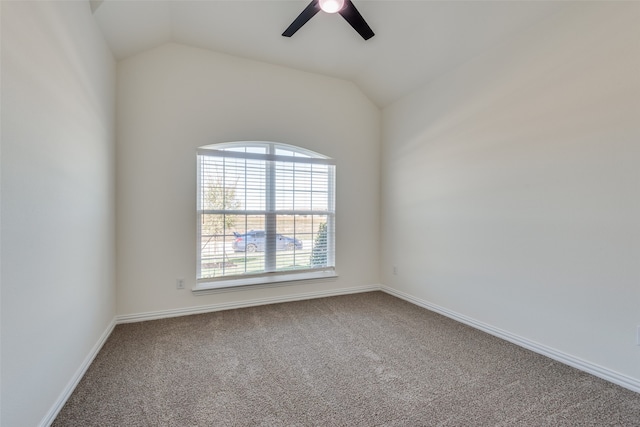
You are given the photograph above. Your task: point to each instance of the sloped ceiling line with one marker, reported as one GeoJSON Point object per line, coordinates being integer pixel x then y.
{"type": "Point", "coordinates": [416, 41]}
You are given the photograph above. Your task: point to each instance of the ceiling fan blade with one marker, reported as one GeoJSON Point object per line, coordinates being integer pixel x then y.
{"type": "Point", "coordinates": [353, 17]}
{"type": "Point", "coordinates": [305, 15]}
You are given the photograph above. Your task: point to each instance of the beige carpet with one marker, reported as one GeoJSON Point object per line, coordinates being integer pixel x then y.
{"type": "Point", "coordinates": [357, 360]}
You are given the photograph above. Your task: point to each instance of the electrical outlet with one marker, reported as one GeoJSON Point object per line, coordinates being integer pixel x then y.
{"type": "Point", "coordinates": [179, 283]}
{"type": "Point", "coordinates": [638, 335]}
{"type": "Point", "coordinates": [395, 270]}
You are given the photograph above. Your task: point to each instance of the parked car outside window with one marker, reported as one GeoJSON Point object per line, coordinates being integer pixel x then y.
{"type": "Point", "coordinates": [254, 241]}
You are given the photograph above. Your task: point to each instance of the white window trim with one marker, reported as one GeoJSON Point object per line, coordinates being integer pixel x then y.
{"type": "Point", "coordinates": [236, 283]}
{"type": "Point", "coordinates": [253, 281]}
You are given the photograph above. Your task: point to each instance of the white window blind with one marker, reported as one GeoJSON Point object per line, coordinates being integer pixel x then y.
{"type": "Point", "coordinates": [264, 208]}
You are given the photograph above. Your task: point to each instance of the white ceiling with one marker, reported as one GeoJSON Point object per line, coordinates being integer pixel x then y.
{"type": "Point", "coordinates": [415, 41]}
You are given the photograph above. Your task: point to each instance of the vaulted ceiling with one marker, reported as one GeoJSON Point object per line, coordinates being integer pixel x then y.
{"type": "Point", "coordinates": [415, 42]}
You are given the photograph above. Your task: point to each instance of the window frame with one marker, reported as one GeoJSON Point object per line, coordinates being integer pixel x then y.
{"type": "Point", "coordinates": [272, 276]}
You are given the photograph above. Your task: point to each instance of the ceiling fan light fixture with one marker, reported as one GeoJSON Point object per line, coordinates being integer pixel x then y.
{"type": "Point", "coordinates": [346, 8]}
{"type": "Point", "coordinates": [331, 6]}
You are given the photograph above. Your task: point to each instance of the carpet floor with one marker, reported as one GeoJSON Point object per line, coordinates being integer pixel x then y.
{"type": "Point", "coordinates": [356, 360]}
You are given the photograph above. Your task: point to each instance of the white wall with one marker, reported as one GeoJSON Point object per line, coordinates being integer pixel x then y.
{"type": "Point", "coordinates": [511, 187]}
{"type": "Point", "coordinates": [175, 98]}
{"type": "Point", "coordinates": [58, 202]}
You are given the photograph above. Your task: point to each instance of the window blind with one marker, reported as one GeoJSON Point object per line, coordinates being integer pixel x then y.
{"type": "Point", "coordinates": [264, 208]}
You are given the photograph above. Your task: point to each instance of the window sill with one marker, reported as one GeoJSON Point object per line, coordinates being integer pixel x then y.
{"type": "Point", "coordinates": [258, 282]}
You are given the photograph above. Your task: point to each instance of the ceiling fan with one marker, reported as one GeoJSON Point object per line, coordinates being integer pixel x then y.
{"type": "Point", "coordinates": [344, 7]}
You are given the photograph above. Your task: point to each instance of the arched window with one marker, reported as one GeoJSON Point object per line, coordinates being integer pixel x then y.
{"type": "Point", "coordinates": [266, 213]}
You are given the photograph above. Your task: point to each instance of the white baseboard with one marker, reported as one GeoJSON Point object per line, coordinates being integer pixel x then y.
{"type": "Point", "coordinates": [591, 368]}
{"type": "Point", "coordinates": [583, 365]}
{"type": "Point", "coordinates": [162, 314]}
{"type": "Point", "coordinates": [66, 393]}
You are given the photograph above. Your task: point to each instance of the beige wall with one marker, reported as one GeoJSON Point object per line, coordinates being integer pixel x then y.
{"type": "Point", "coordinates": [174, 99]}
{"type": "Point", "coordinates": [511, 187]}
{"type": "Point", "coordinates": [58, 214]}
